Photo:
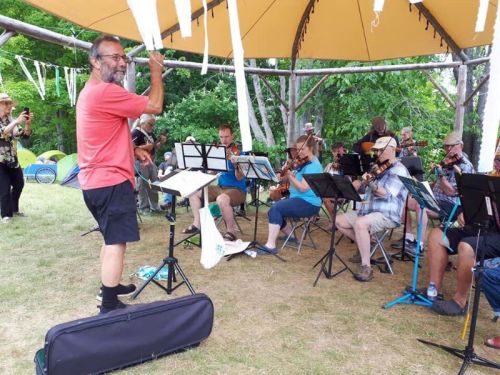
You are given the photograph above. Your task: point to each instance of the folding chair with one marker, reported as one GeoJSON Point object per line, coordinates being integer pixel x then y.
{"type": "Point", "coordinates": [305, 224]}
{"type": "Point", "coordinates": [379, 238]}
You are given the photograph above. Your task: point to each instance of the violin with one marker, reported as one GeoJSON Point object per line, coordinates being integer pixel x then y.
{"type": "Point", "coordinates": [376, 171]}
{"type": "Point", "coordinates": [448, 162]}
{"type": "Point", "coordinates": [294, 164]}
{"type": "Point", "coordinates": [407, 144]}
{"type": "Point", "coordinates": [232, 150]}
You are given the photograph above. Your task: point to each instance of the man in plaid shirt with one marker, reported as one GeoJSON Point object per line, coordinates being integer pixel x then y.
{"type": "Point", "coordinates": [445, 188]}
{"type": "Point", "coordinates": [384, 201]}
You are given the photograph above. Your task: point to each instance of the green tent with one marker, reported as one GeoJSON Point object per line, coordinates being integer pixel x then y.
{"type": "Point", "coordinates": [54, 155]}
{"type": "Point", "coordinates": [65, 165]}
{"type": "Point", "coordinates": [26, 157]}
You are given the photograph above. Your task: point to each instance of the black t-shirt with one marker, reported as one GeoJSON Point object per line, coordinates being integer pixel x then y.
{"type": "Point", "coordinates": [140, 139]}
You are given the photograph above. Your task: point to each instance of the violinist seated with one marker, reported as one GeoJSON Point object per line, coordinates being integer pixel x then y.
{"type": "Point", "coordinates": [319, 143]}
{"type": "Point", "coordinates": [461, 241]}
{"type": "Point", "coordinates": [303, 202]}
{"type": "Point", "coordinates": [281, 190]}
{"type": "Point", "coordinates": [230, 191]}
{"type": "Point", "coordinates": [408, 146]}
{"type": "Point", "coordinates": [334, 168]}
{"type": "Point", "coordinates": [382, 207]}
{"type": "Point", "coordinates": [379, 129]}
{"type": "Point", "coordinates": [445, 188]}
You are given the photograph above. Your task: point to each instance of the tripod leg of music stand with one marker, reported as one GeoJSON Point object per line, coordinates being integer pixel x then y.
{"type": "Point", "coordinates": [184, 277]}
{"type": "Point", "coordinates": [150, 279]}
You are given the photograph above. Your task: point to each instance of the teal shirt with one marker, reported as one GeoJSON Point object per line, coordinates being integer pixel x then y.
{"type": "Point", "coordinates": [312, 167]}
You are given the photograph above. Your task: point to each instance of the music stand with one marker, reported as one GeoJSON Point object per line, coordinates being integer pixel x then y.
{"type": "Point", "coordinates": [480, 198]}
{"type": "Point", "coordinates": [351, 165]}
{"type": "Point", "coordinates": [198, 156]}
{"type": "Point", "coordinates": [183, 183]}
{"type": "Point", "coordinates": [335, 187]}
{"type": "Point", "coordinates": [425, 200]}
{"type": "Point", "coordinates": [257, 168]}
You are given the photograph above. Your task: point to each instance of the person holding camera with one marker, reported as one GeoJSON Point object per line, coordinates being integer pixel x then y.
{"type": "Point", "coordinates": [11, 174]}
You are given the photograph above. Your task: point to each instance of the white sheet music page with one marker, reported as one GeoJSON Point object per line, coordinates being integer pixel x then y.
{"type": "Point", "coordinates": [187, 182]}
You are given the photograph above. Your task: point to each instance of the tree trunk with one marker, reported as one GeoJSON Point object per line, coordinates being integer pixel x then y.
{"type": "Point", "coordinates": [59, 130]}
{"type": "Point", "coordinates": [284, 113]}
{"type": "Point", "coordinates": [262, 107]}
{"type": "Point", "coordinates": [254, 124]}
{"type": "Point", "coordinates": [481, 102]}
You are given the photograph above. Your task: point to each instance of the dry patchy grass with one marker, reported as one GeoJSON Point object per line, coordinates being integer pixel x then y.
{"type": "Point", "coordinates": [268, 316]}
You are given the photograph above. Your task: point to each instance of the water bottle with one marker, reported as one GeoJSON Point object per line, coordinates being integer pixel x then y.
{"type": "Point", "coordinates": [432, 292]}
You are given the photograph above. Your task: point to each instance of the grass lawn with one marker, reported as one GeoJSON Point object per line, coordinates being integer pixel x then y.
{"type": "Point", "coordinates": [269, 319]}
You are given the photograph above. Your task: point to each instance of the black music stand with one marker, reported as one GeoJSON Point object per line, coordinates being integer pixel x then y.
{"type": "Point", "coordinates": [351, 165]}
{"type": "Point", "coordinates": [257, 168]}
{"type": "Point", "coordinates": [170, 260]}
{"type": "Point", "coordinates": [480, 198]}
{"type": "Point", "coordinates": [202, 157]}
{"type": "Point", "coordinates": [335, 187]}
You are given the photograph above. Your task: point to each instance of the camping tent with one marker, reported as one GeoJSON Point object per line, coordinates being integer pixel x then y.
{"type": "Point", "coordinates": [65, 166]}
{"type": "Point", "coordinates": [54, 155]}
{"type": "Point", "coordinates": [71, 179]}
{"type": "Point", "coordinates": [25, 157]}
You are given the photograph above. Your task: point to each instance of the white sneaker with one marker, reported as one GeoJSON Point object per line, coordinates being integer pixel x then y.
{"type": "Point", "coordinates": [6, 220]}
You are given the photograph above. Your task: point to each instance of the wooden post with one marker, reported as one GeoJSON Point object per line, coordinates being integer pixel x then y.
{"type": "Point", "coordinates": [459, 106]}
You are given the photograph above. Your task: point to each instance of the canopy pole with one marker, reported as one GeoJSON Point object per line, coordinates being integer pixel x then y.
{"type": "Point", "coordinates": [459, 105]}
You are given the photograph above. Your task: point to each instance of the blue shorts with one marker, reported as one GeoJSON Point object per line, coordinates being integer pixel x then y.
{"type": "Point", "coordinates": [115, 210]}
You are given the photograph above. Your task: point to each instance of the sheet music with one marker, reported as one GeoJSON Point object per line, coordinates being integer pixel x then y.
{"type": "Point", "coordinates": [263, 169]}
{"type": "Point", "coordinates": [187, 182]}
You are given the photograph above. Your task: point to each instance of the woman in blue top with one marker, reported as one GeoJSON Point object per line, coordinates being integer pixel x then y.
{"type": "Point", "coordinates": [302, 202]}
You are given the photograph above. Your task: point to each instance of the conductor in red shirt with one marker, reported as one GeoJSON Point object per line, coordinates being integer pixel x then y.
{"type": "Point", "coordinates": [106, 156]}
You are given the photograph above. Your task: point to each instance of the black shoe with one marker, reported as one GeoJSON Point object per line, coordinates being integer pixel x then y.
{"type": "Point", "coordinates": [105, 310]}
{"type": "Point", "coordinates": [448, 308]}
{"type": "Point", "coordinates": [123, 291]}
{"type": "Point", "coordinates": [398, 245]}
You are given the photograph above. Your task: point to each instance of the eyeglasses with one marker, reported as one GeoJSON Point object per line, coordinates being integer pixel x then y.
{"type": "Point", "coordinates": [116, 57]}
{"type": "Point", "coordinates": [497, 160]}
{"type": "Point", "coordinates": [450, 146]}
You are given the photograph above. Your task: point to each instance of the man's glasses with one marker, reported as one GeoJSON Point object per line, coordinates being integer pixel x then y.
{"type": "Point", "coordinates": [497, 160]}
{"type": "Point", "coordinates": [116, 57]}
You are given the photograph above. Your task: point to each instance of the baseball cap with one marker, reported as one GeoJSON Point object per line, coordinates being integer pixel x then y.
{"type": "Point", "coordinates": [384, 142]}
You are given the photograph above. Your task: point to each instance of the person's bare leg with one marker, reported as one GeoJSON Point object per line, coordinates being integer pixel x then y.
{"type": "Point", "coordinates": [195, 203]}
{"type": "Point", "coordinates": [438, 257]}
{"type": "Point", "coordinates": [112, 264]}
{"type": "Point", "coordinates": [274, 230]}
{"type": "Point", "coordinates": [362, 231]}
{"type": "Point", "coordinates": [345, 227]}
{"type": "Point", "coordinates": [224, 202]}
{"type": "Point", "coordinates": [466, 260]}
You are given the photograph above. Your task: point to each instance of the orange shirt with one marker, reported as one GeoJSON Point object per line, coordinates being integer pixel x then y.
{"type": "Point", "coordinates": [105, 151]}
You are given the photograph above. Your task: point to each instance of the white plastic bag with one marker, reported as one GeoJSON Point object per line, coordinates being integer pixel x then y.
{"type": "Point", "coordinates": [213, 246]}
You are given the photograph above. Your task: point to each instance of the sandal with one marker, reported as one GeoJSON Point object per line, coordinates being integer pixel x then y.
{"type": "Point", "coordinates": [493, 342]}
{"type": "Point", "coordinates": [228, 236]}
{"type": "Point", "coordinates": [191, 229]}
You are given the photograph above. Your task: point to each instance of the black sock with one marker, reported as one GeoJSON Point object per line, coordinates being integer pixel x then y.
{"type": "Point", "coordinates": [109, 296]}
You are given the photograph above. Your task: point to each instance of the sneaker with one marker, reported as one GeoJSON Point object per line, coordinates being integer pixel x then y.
{"type": "Point", "coordinates": [123, 291]}
{"type": "Point", "coordinates": [411, 249]}
{"type": "Point", "coordinates": [292, 239]}
{"type": "Point", "coordinates": [356, 258]}
{"type": "Point", "coordinates": [105, 310]}
{"type": "Point", "coordinates": [448, 308]}
{"type": "Point", "coordinates": [365, 273]}
{"type": "Point", "coordinates": [6, 219]}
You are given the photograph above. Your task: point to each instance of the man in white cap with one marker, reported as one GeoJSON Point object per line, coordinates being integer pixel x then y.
{"type": "Point", "coordinates": [382, 207]}
{"type": "Point", "coordinates": [445, 188]}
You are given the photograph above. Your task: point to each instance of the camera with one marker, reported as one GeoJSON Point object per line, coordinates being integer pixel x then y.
{"type": "Point", "coordinates": [27, 110]}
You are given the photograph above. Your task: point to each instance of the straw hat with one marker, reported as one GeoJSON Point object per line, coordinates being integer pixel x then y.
{"type": "Point", "coordinates": [453, 139]}
{"type": "Point", "coordinates": [5, 98]}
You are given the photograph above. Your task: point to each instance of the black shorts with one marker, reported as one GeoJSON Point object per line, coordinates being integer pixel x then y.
{"type": "Point", "coordinates": [115, 210]}
{"type": "Point", "coordinates": [490, 243]}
